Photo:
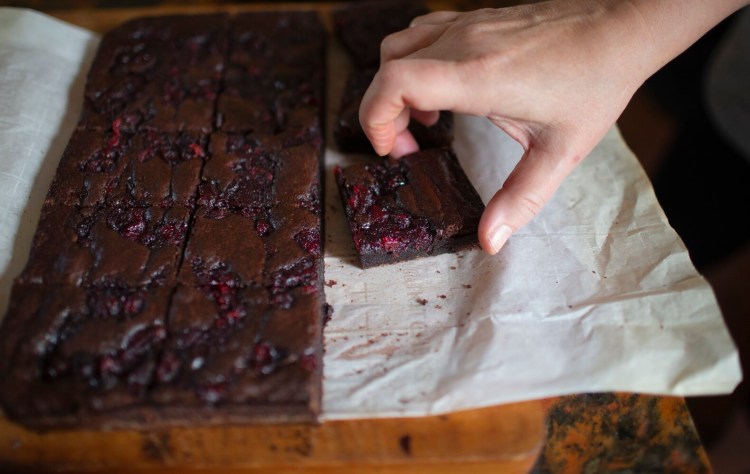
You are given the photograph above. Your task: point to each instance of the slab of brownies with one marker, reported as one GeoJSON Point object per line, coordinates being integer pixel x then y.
{"type": "Point", "coordinates": [175, 277]}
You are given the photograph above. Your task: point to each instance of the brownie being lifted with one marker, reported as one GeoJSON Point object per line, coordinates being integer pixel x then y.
{"type": "Point", "coordinates": [422, 204]}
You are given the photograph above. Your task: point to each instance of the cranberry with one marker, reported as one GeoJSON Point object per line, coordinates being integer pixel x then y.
{"type": "Point", "coordinates": [173, 233]}
{"type": "Point", "coordinates": [309, 362]}
{"type": "Point", "coordinates": [359, 197]}
{"type": "Point", "coordinates": [377, 213]}
{"type": "Point", "coordinates": [197, 150]}
{"type": "Point", "coordinates": [262, 226]}
{"type": "Point", "coordinates": [302, 273]}
{"type": "Point", "coordinates": [390, 244]}
{"type": "Point", "coordinates": [309, 239]}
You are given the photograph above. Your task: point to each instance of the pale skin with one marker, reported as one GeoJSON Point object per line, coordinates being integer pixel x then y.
{"type": "Point", "coordinates": [555, 76]}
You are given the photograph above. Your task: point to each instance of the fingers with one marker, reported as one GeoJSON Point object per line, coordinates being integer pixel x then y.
{"type": "Point", "coordinates": [435, 18]}
{"type": "Point", "coordinates": [404, 144]}
{"type": "Point", "coordinates": [528, 188]}
{"type": "Point", "coordinates": [403, 84]}
{"type": "Point", "coordinates": [408, 41]}
{"type": "Point", "coordinates": [427, 118]}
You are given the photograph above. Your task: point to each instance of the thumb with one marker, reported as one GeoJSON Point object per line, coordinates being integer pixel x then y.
{"type": "Point", "coordinates": [528, 188]}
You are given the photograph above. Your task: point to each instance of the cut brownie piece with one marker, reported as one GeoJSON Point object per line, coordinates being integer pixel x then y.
{"type": "Point", "coordinates": [242, 173]}
{"type": "Point", "coordinates": [362, 26]}
{"type": "Point", "coordinates": [349, 135]}
{"type": "Point", "coordinates": [160, 73]}
{"type": "Point", "coordinates": [73, 354]}
{"type": "Point", "coordinates": [121, 169]}
{"type": "Point", "coordinates": [422, 204]}
{"type": "Point", "coordinates": [274, 76]}
{"type": "Point", "coordinates": [245, 354]}
{"type": "Point", "coordinates": [105, 246]}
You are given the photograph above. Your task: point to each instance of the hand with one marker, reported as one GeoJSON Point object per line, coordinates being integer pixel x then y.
{"type": "Point", "coordinates": [554, 76]}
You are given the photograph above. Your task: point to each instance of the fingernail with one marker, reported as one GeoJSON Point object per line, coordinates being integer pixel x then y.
{"type": "Point", "coordinates": [499, 236]}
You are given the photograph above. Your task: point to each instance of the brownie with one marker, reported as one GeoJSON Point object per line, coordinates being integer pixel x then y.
{"type": "Point", "coordinates": [70, 353]}
{"type": "Point", "coordinates": [107, 246]}
{"type": "Point", "coordinates": [274, 75]}
{"type": "Point", "coordinates": [120, 358]}
{"type": "Point", "coordinates": [118, 168]}
{"type": "Point", "coordinates": [160, 73]}
{"type": "Point", "coordinates": [348, 133]}
{"type": "Point", "coordinates": [422, 204]}
{"type": "Point", "coordinates": [176, 274]}
{"type": "Point", "coordinates": [362, 26]}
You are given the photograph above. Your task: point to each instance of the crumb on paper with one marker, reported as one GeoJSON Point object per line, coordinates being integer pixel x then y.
{"type": "Point", "coordinates": [422, 301]}
{"type": "Point", "coordinates": [442, 297]}
{"type": "Point", "coordinates": [467, 286]}
{"type": "Point", "coordinates": [331, 283]}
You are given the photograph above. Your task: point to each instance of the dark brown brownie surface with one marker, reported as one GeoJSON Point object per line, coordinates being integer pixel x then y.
{"type": "Point", "coordinates": [161, 73]}
{"type": "Point", "coordinates": [107, 246]}
{"type": "Point", "coordinates": [167, 286]}
{"type": "Point", "coordinates": [117, 168]}
{"type": "Point", "coordinates": [422, 204]}
{"type": "Point", "coordinates": [362, 26]}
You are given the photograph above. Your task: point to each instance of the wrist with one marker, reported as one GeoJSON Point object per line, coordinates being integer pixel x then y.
{"type": "Point", "coordinates": [662, 29]}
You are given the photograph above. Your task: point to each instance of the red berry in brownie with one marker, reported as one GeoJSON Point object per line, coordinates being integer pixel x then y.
{"type": "Point", "coordinates": [420, 205]}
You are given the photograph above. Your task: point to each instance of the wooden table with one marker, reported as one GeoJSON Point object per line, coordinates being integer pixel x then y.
{"type": "Point", "coordinates": [581, 433]}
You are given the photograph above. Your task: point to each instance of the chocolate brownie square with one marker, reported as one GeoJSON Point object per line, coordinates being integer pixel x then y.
{"type": "Point", "coordinates": [422, 204]}
{"type": "Point", "coordinates": [244, 171]}
{"type": "Point", "coordinates": [107, 246]}
{"type": "Point", "coordinates": [161, 73]}
{"type": "Point", "coordinates": [72, 355]}
{"type": "Point", "coordinates": [274, 76]}
{"type": "Point", "coordinates": [362, 26]}
{"type": "Point", "coordinates": [348, 132]}
{"type": "Point", "coordinates": [234, 349]}
{"type": "Point", "coordinates": [120, 169]}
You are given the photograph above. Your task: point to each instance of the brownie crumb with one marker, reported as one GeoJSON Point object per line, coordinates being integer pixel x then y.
{"type": "Point", "coordinates": [331, 283]}
{"type": "Point", "coordinates": [422, 301]}
{"type": "Point", "coordinates": [442, 297]}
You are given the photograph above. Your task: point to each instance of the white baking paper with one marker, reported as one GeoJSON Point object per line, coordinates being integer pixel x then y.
{"type": "Point", "coordinates": [596, 294]}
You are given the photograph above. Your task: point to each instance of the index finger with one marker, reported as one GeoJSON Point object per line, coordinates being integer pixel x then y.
{"type": "Point", "coordinates": [422, 84]}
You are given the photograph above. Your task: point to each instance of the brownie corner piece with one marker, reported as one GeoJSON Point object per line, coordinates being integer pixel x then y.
{"type": "Point", "coordinates": [420, 205]}
{"type": "Point", "coordinates": [72, 354]}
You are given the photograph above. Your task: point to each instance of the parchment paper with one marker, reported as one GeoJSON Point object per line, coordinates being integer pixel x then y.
{"type": "Point", "coordinates": [596, 294]}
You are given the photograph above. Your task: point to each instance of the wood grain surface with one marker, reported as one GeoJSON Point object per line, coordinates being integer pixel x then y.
{"type": "Point", "coordinates": [506, 438]}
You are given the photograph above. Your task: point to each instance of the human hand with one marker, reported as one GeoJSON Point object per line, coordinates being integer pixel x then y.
{"type": "Point", "coordinates": [554, 76]}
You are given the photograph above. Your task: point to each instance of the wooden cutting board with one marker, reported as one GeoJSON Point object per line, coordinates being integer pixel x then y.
{"type": "Point", "coordinates": [504, 438]}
